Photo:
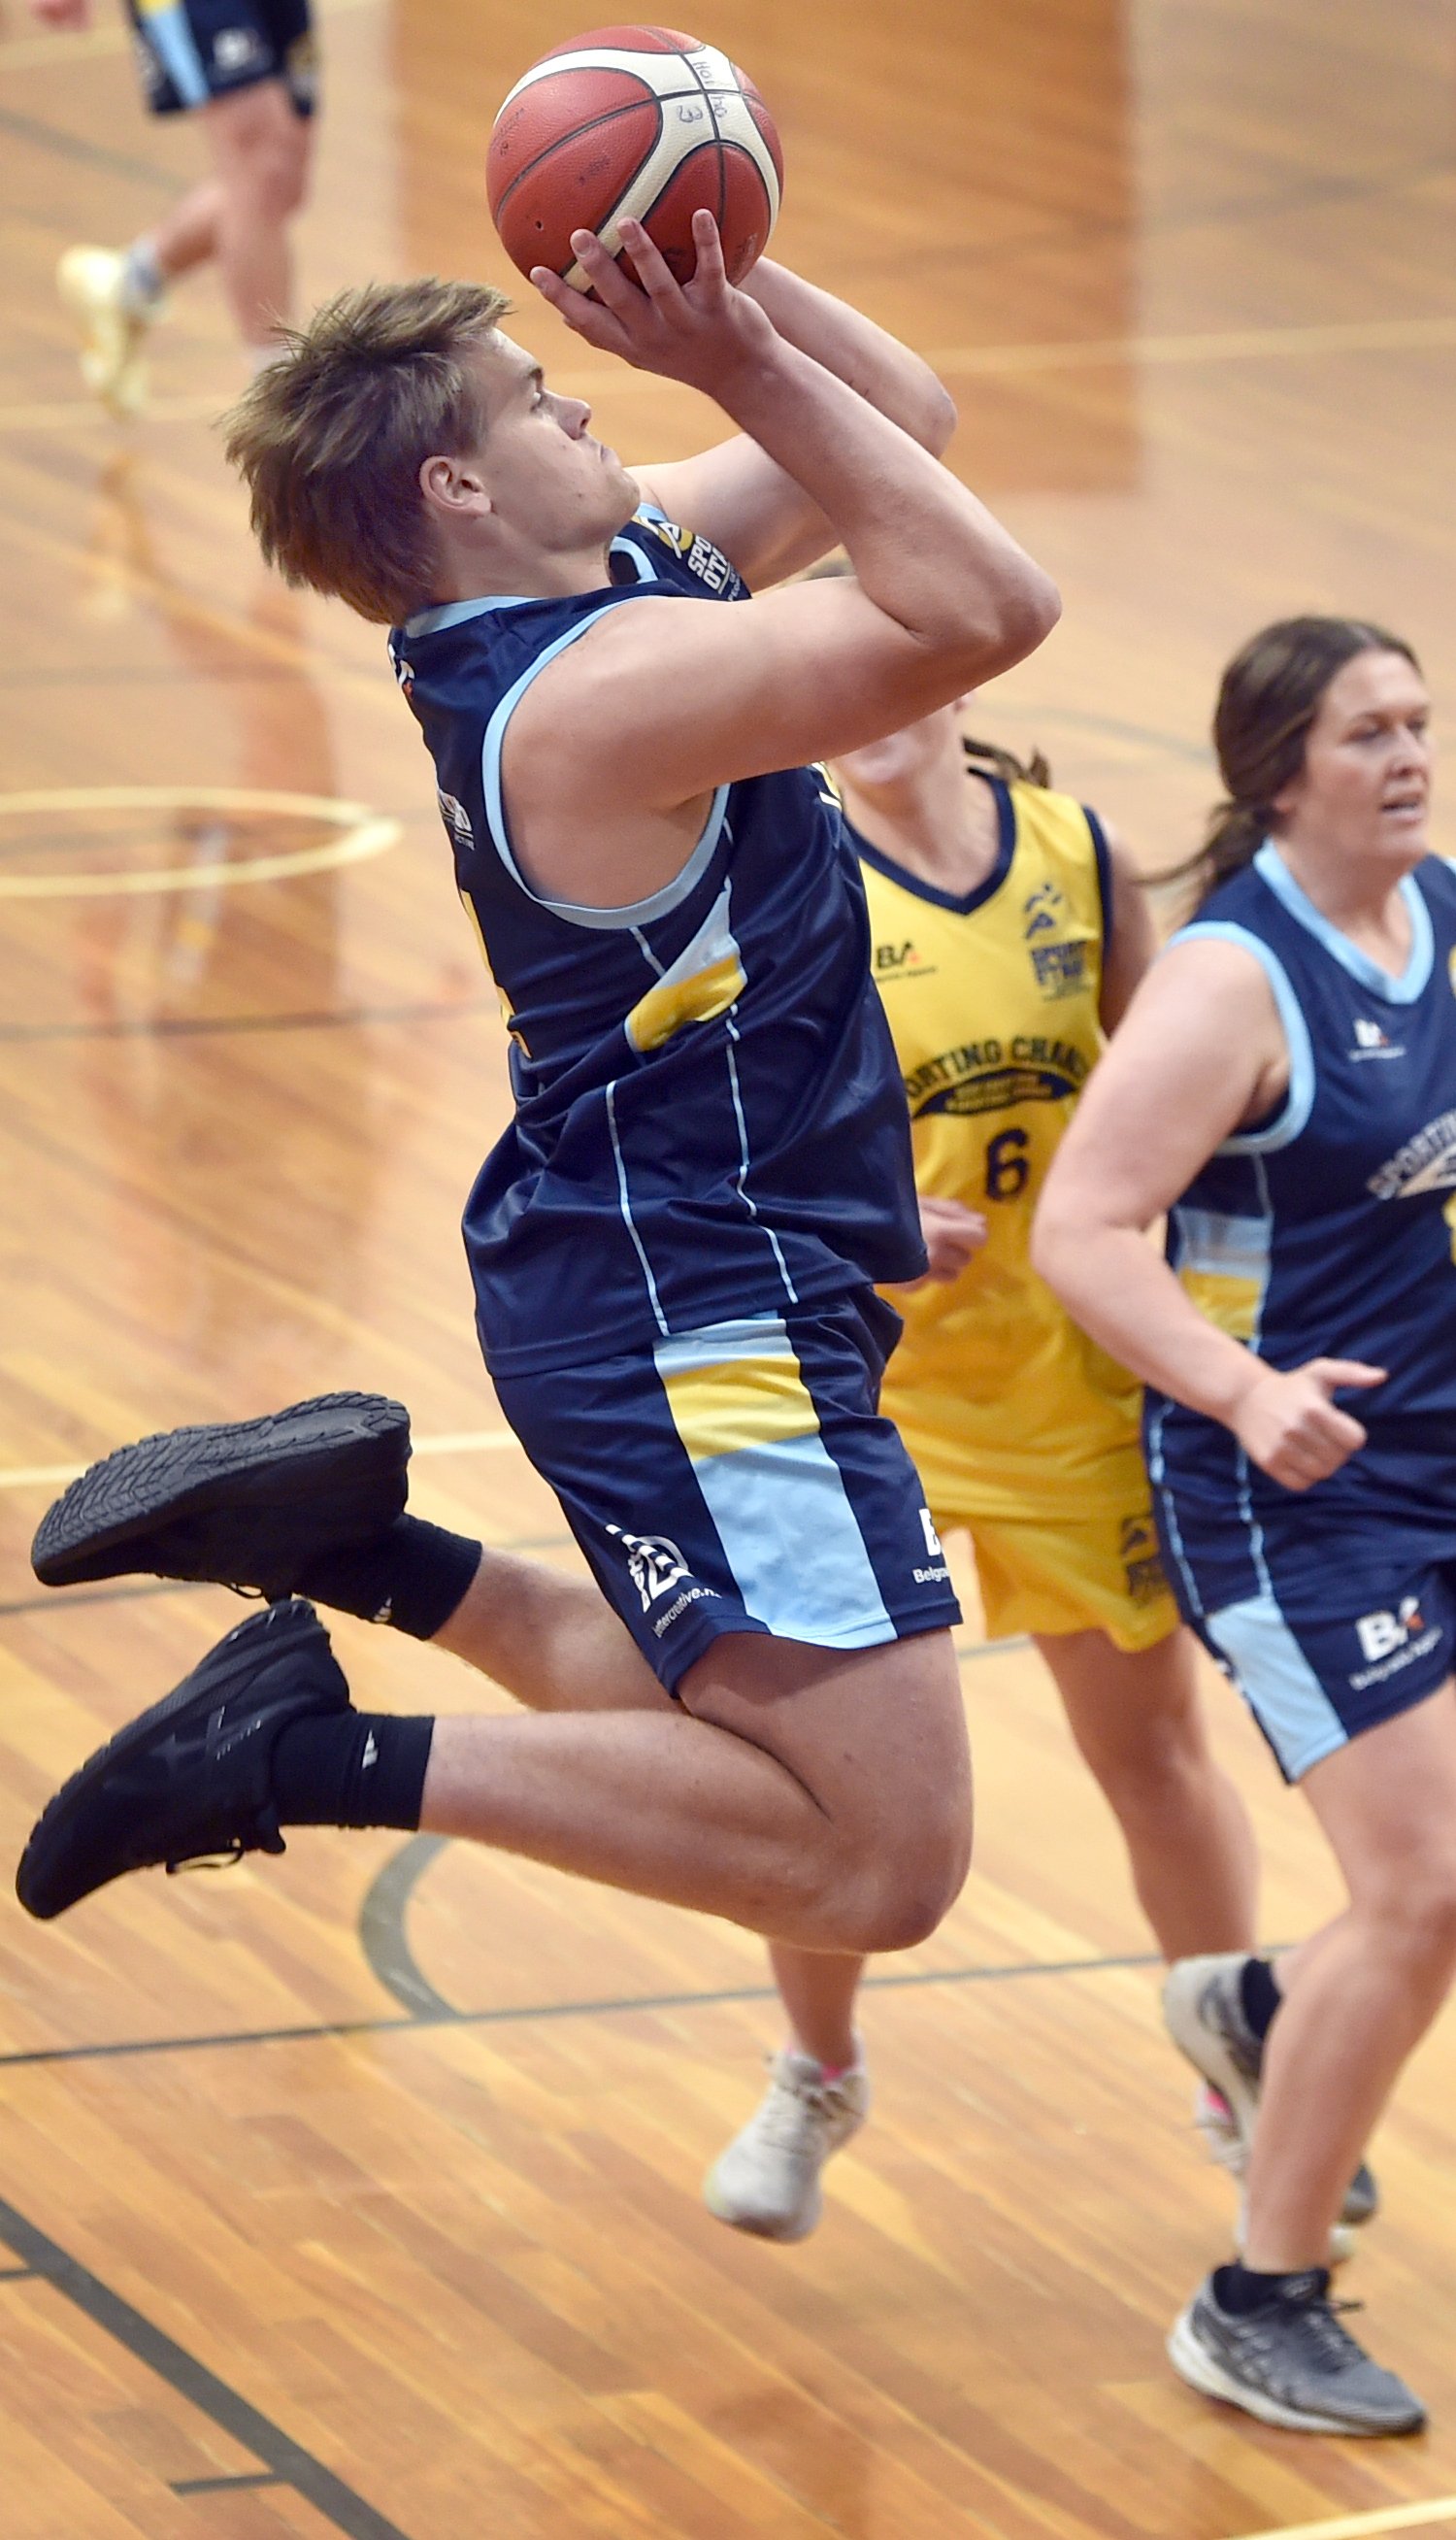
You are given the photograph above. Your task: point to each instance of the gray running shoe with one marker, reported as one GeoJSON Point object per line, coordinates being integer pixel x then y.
{"type": "Point", "coordinates": [1292, 2362]}
{"type": "Point", "coordinates": [768, 2181]}
{"type": "Point", "coordinates": [1204, 2012]}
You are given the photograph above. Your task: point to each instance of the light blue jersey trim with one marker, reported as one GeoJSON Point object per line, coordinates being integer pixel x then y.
{"type": "Point", "coordinates": [1414, 980]}
{"type": "Point", "coordinates": [624, 1200]}
{"type": "Point", "coordinates": [171, 38]}
{"type": "Point", "coordinates": [455, 613]}
{"type": "Point", "coordinates": [1157, 1474]}
{"type": "Point", "coordinates": [1226, 1248]}
{"type": "Point", "coordinates": [741, 1183]}
{"type": "Point", "coordinates": [1299, 1101]}
{"type": "Point", "coordinates": [639, 912]}
{"type": "Point", "coordinates": [1277, 1683]}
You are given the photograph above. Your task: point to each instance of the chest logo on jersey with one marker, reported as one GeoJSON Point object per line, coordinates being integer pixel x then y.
{"type": "Point", "coordinates": [1372, 1042]}
{"type": "Point", "coordinates": [993, 1074]}
{"type": "Point", "coordinates": [1060, 969]}
{"type": "Point", "coordinates": [901, 961]}
{"type": "Point", "coordinates": [1425, 1162]}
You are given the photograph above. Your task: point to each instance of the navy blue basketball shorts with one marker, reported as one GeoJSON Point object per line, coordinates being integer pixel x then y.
{"type": "Point", "coordinates": [192, 52]}
{"type": "Point", "coordinates": [739, 1480]}
{"type": "Point", "coordinates": [1345, 1618]}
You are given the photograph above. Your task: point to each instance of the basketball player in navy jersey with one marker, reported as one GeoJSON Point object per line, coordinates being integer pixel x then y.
{"type": "Point", "coordinates": [248, 68]}
{"type": "Point", "coordinates": [756, 1711]}
{"type": "Point", "coordinates": [1284, 1086]}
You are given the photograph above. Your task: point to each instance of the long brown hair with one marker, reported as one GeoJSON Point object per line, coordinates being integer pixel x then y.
{"type": "Point", "coordinates": [1268, 698]}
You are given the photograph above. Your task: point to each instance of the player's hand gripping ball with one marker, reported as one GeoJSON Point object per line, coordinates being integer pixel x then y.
{"type": "Point", "coordinates": [637, 123]}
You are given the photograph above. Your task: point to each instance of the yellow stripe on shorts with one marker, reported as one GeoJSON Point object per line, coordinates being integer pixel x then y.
{"type": "Point", "coordinates": [739, 1403]}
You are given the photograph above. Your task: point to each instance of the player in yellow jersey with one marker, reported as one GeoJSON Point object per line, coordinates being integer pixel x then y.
{"type": "Point", "coordinates": [1008, 933]}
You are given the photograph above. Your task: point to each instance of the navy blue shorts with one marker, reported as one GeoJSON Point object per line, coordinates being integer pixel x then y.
{"type": "Point", "coordinates": [1331, 1610]}
{"type": "Point", "coordinates": [192, 52]}
{"type": "Point", "coordinates": [739, 1480]}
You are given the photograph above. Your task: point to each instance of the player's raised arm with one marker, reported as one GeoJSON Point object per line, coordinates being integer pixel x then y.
{"type": "Point", "coordinates": [944, 597]}
{"type": "Point", "coordinates": [741, 499]}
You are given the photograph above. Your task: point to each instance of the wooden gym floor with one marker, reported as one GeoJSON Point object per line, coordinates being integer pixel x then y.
{"type": "Point", "coordinates": [359, 2193]}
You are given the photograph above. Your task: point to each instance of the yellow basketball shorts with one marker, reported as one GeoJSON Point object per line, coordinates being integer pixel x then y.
{"type": "Point", "coordinates": [1071, 1573]}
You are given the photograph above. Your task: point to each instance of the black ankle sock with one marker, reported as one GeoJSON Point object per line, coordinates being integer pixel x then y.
{"type": "Point", "coordinates": [414, 1576]}
{"type": "Point", "coordinates": [352, 1768]}
{"type": "Point", "coordinates": [1239, 2288]}
{"type": "Point", "coordinates": [1259, 1994]}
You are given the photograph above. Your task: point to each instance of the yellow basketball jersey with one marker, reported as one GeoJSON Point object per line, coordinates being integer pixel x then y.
{"type": "Point", "coordinates": [1005, 1405]}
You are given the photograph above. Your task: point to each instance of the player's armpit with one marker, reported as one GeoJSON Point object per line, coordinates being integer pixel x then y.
{"type": "Point", "coordinates": [667, 698]}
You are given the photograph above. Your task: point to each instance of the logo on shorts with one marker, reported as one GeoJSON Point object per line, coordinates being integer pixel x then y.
{"type": "Point", "coordinates": [237, 48]}
{"type": "Point", "coordinates": [654, 1562]}
{"type": "Point", "coordinates": [934, 1574]}
{"type": "Point", "coordinates": [1136, 1544]}
{"type": "Point", "coordinates": [1390, 1642]}
{"type": "Point", "coordinates": [1381, 1633]}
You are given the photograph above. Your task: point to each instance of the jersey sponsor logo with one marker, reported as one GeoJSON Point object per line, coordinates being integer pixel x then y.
{"type": "Point", "coordinates": [1044, 910]}
{"type": "Point", "coordinates": [1390, 1642]}
{"type": "Point", "coordinates": [992, 1074]}
{"type": "Point", "coordinates": [654, 1563]}
{"type": "Point", "coordinates": [403, 672]}
{"type": "Point", "coordinates": [901, 960]}
{"type": "Point", "coordinates": [1372, 1042]}
{"type": "Point", "coordinates": [1425, 1162]}
{"type": "Point", "coordinates": [457, 821]}
{"type": "Point", "coordinates": [701, 558]}
{"type": "Point", "coordinates": [1143, 1568]}
{"type": "Point", "coordinates": [1061, 969]}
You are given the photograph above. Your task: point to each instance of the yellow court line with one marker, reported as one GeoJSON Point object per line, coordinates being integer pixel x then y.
{"type": "Point", "coordinates": [365, 833]}
{"type": "Point", "coordinates": [958, 360]}
{"type": "Point", "coordinates": [463, 1441]}
{"type": "Point", "coordinates": [1361, 2526]}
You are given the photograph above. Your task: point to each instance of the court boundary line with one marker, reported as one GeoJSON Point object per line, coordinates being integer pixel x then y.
{"type": "Point", "coordinates": [506, 2015]}
{"type": "Point", "coordinates": [287, 2463]}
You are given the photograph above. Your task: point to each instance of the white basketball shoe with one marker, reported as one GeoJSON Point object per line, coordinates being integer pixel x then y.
{"type": "Point", "coordinates": [113, 324]}
{"type": "Point", "coordinates": [768, 2181]}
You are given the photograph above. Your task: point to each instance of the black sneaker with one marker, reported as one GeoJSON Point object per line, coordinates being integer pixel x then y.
{"type": "Point", "coordinates": [243, 1503]}
{"type": "Point", "coordinates": [190, 1779]}
{"type": "Point", "coordinates": [1292, 2362]}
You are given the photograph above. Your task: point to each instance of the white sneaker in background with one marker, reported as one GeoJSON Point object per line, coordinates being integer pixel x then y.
{"type": "Point", "coordinates": [113, 325]}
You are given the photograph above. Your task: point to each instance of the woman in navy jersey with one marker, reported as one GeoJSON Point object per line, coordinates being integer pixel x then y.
{"type": "Point", "coordinates": [1284, 1088]}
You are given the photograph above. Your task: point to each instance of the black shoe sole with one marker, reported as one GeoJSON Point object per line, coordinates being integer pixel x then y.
{"type": "Point", "coordinates": [287, 1630]}
{"type": "Point", "coordinates": [343, 1453]}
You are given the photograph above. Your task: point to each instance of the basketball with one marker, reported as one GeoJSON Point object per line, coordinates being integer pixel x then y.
{"type": "Point", "coordinates": [636, 123]}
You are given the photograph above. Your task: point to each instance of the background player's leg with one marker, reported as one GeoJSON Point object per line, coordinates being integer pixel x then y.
{"type": "Point", "coordinates": [261, 150]}
{"type": "Point", "coordinates": [1139, 1722]}
{"type": "Point", "coordinates": [1362, 1992]}
{"type": "Point", "coordinates": [185, 236]}
{"type": "Point", "coordinates": [821, 1797]}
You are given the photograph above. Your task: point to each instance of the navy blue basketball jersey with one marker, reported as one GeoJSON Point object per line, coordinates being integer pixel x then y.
{"type": "Point", "coordinates": [1327, 1230]}
{"type": "Point", "coordinates": [709, 1117]}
